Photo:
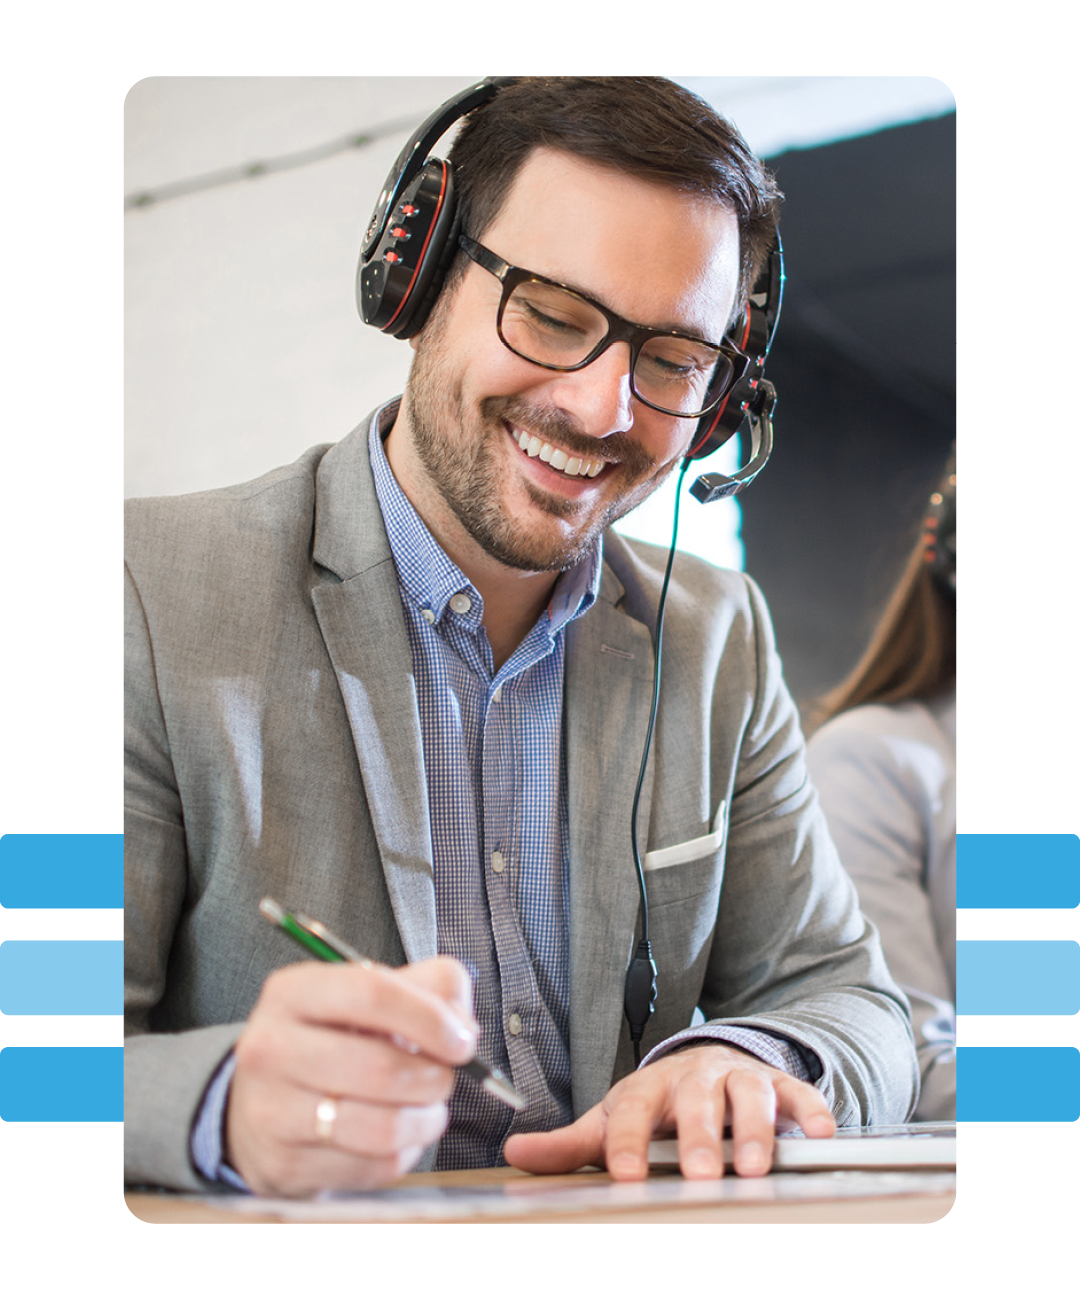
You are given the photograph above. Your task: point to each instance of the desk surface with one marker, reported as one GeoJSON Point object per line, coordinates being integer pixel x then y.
{"type": "Point", "coordinates": [509, 1196]}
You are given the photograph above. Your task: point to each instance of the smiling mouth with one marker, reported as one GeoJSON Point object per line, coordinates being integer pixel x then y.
{"type": "Point", "coordinates": [555, 457]}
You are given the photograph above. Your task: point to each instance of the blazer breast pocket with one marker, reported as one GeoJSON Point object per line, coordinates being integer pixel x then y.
{"type": "Point", "coordinates": [703, 846]}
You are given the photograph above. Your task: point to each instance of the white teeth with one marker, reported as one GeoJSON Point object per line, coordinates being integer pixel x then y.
{"type": "Point", "coordinates": [572, 466]}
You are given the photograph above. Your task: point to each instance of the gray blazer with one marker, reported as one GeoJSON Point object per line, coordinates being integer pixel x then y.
{"type": "Point", "coordinates": [273, 747]}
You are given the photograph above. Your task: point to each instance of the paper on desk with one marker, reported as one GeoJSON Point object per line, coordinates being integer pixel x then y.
{"type": "Point", "coordinates": [535, 1197]}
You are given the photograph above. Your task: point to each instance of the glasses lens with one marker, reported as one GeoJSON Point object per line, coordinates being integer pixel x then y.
{"type": "Point", "coordinates": [554, 327]}
{"type": "Point", "coordinates": [550, 325]}
{"type": "Point", "coordinates": [680, 375]}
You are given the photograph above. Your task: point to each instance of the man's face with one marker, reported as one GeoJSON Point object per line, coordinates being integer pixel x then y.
{"type": "Point", "coordinates": [474, 410]}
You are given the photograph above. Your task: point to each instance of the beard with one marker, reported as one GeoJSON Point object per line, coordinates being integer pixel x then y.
{"type": "Point", "coordinates": [459, 453]}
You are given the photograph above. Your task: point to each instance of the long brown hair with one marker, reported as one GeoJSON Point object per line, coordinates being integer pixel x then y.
{"type": "Point", "coordinates": [912, 650]}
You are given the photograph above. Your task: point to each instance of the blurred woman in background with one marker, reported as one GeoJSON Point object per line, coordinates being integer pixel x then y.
{"type": "Point", "coordinates": [884, 762]}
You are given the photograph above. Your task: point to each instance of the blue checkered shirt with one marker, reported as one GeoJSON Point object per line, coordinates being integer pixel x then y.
{"type": "Point", "coordinates": [496, 783]}
{"type": "Point", "coordinates": [496, 788]}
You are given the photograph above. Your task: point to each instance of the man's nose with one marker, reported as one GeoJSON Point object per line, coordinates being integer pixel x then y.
{"type": "Point", "coordinates": [599, 395]}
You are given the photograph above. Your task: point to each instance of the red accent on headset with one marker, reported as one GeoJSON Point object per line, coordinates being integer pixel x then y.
{"type": "Point", "coordinates": [420, 260]}
{"type": "Point", "coordinates": [746, 331]}
{"type": "Point", "coordinates": [697, 446]}
{"type": "Point", "coordinates": [709, 431]}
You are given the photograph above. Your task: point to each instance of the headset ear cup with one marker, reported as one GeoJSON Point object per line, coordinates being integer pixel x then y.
{"type": "Point", "coordinates": [399, 279]}
{"type": "Point", "coordinates": [441, 252]}
{"type": "Point", "coordinates": [704, 441]}
{"type": "Point", "coordinates": [411, 238]}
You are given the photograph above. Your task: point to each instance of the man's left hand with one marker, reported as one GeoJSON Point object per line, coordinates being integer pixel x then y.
{"type": "Point", "coordinates": [692, 1093]}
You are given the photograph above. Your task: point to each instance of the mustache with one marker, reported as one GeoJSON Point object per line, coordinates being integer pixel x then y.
{"type": "Point", "coordinates": [555, 426]}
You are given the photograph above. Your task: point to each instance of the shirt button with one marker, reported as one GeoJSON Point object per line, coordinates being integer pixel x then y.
{"type": "Point", "coordinates": [460, 603]}
{"type": "Point", "coordinates": [514, 1023]}
{"type": "Point", "coordinates": [497, 861]}
{"type": "Point", "coordinates": [428, 615]}
{"type": "Point", "coordinates": [496, 694]}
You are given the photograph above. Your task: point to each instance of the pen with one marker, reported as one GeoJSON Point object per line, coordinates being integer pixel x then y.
{"type": "Point", "coordinates": [323, 944]}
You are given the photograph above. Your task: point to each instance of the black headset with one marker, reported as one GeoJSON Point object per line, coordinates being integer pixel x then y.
{"type": "Point", "coordinates": [412, 238]}
{"type": "Point", "coordinates": [939, 532]}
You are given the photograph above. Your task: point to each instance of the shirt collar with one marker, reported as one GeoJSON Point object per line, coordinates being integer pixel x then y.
{"type": "Point", "coordinates": [429, 577]}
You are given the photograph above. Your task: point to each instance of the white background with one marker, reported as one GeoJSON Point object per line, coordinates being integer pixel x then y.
{"type": "Point", "coordinates": [62, 1219]}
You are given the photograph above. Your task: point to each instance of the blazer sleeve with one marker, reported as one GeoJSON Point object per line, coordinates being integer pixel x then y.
{"type": "Point", "coordinates": [791, 952]}
{"type": "Point", "coordinates": [871, 783]}
{"type": "Point", "coordinates": [165, 1075]}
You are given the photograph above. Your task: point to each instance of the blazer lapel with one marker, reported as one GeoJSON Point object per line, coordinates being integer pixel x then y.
{"type": "Point", "coordinates": [609, 673]}
{"type": "Point", "coordinates": [363, 627]}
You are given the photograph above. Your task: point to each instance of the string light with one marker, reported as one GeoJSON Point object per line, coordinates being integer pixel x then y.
{"type": "Point", "coordinates": [145, 198]}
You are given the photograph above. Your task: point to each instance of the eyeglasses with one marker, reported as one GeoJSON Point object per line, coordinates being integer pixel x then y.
{"type": "Point", "coordinates": [555, 327]}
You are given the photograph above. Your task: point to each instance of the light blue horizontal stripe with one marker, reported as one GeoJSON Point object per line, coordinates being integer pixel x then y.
{"type": "Point", "coordinates": [1018, 1084]}
{"type": "Point", "coordinates": [1017, 871]}
{"type": "Point", "coordinates": [62, 977]}
{"type": "Point", "coordinates": [77, 1084]}
{"type": "Point", "coordinates": [61, 871]}
{"type": "Point", "coordinates": [1018, 977]}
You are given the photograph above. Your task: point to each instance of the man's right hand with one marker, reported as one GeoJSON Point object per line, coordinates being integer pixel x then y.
{"type": "Point", "coordinates": [380, 1043]}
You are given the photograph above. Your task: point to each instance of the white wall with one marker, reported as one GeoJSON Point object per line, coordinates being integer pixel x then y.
{"type": "Point", "coordinates": [243, 343]}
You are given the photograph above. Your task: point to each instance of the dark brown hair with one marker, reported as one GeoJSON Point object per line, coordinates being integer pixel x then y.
{"type": "Point", "coordinates": [648, 127]}
{"type": "Point", "coordinates": [912, 650]}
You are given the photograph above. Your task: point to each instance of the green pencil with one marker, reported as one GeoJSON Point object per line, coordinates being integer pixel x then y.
{"type": "Point", "coordinates": [326, 946]}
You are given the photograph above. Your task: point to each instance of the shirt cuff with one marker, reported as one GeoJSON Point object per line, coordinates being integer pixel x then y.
{"type": "Point", "coordinates": [774, 1049]}
{"type": "Point", "coordinates": [208, 1131]}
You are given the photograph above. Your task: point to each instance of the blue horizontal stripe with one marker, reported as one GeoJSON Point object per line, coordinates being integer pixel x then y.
{"type": "Point", "coordinates": [61, 871]}
{"type": "Point", "coordinates": [1018, 1084]}
{"type": "Point", "coordinates": [1017, 870]}
{"type": "Point", "coordinates": [74, 1084]}
{"type": "Point", "coordinates": [62, 977]}
{"type": "Point", "coordinates": [1018, 977]}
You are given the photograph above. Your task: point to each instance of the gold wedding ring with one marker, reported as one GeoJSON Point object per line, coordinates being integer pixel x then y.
{"type": "Point", "coordinates": [325, 1119]}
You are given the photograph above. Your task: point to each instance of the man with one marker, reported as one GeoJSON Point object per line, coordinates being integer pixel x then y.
{"type": "Point", "coordinates": [404, 684]}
